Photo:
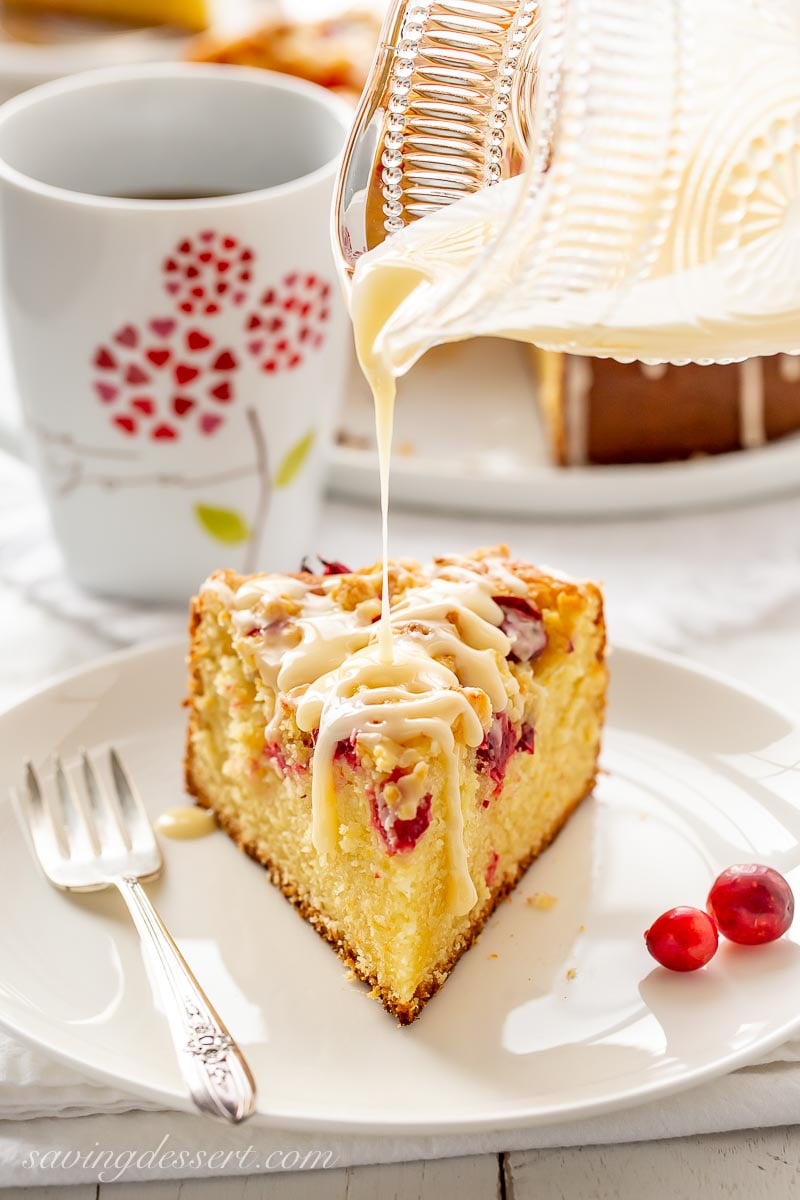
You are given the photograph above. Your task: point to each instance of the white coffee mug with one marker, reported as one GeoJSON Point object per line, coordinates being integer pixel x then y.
{"type": "Point", "coordinates": [177, 333]}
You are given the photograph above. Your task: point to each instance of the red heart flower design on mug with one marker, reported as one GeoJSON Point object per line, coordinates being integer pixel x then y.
{"type": "Point", "coordinates": [289, 322]}
{"type": "Point", "coordinates": [148, 400]}
{"type": "Point", "coordinates": [207, 272]}
{"type": "Point", "coordinates": [165, 375]}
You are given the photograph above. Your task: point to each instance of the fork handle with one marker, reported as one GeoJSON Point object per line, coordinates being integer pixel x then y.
{"type": "Point", "coordinates": [213, 1067]}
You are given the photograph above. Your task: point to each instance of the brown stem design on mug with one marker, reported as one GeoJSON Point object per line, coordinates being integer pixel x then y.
{"type": "Point", "coordinates": [222, 524]}
{"type": "Point", "coordinates": [264, 491]}
{"type": "Point", "coordinates": [79, 477]}
{"type": "Point", "coordinates": [68, 442]}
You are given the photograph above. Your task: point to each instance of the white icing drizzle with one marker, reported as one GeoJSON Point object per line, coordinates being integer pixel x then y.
{"type": "Point", "coordinates": [499, 570]}
{"type": "Point", "coordinates": [752, 428]}
{"type": "Point", "coordinates": [186, 822]}
{"type": "Point", "coordinates": [654, 371]}
{"type": "Point", "coordinates": [413, 696]}
{"type": "Point", "coordinates": [789, 365]}
{"type": "Point", "coordinates": [322, 633]}
{"type": "Point", "coordinates": [579, 379]}
{"type": "Point", "coordinates": [447, 648]}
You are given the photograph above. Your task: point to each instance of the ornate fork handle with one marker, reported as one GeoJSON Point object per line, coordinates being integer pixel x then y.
{"type": "Point", "coordinates": [213, 1066]}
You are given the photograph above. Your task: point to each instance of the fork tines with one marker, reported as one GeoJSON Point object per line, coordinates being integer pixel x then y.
{"type": "Point", "coordinates": [85, 825]}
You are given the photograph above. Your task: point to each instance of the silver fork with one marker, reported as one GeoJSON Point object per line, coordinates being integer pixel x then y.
{"type": "Point", "coordinates": [86, 844]}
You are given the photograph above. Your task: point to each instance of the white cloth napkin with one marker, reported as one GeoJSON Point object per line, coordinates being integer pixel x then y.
{"type": "Point", "coordinates": [668, 580]}
{"type": "Point", "coordinates": [38, 1145]}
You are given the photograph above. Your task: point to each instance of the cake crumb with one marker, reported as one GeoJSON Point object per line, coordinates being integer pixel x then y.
{"type": "Point", "coordinates": [543, 901]}
{"type": "Point", "coordinates": [571, 973]}
{"type": "Point", "coordinates": [494, 956]}
{"type": "Point", "coordinates": [581, 929]}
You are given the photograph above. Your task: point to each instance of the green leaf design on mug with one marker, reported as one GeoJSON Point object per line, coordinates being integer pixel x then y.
{"type": "Point", "coordinates": [293, 460]}
{"type": "Point", "coordinates": [223, 524]}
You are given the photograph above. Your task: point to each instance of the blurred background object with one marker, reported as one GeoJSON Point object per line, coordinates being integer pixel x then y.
{"type": "Point", "coordinates": [191, 14]}
{"type": "Point", "coordinates": [335, 52]}
{"type": "Point", "coordinates": [42, 40]}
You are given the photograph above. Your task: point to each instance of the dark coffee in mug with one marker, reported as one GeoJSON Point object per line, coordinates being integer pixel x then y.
{"type": "Point", "coordinates": [177, 196]}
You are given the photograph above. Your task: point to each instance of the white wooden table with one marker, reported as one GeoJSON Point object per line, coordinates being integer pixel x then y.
{"type": "Point", "coordinates": [758, 1166]}
{"type": "Point", "coordinates": [764, 1166]}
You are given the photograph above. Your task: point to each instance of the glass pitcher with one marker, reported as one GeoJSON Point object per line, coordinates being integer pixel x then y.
{"type": "Point", "coordinates": [627, 177]}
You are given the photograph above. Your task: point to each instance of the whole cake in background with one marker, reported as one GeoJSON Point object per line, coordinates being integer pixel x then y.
{"type": "Point", "coordinates": [601, 411]}
{"type": "Point", "coordinates": [396, 802]}
{"type": "Point", "coordinates": [191, 14]}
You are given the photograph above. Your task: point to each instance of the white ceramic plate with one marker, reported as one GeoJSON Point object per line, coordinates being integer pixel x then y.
{"type": "Point", "coordinates": [469, 439]}
{"type": "Point", "coordinates": [51, 45]}
{"type": "Point", "coordinates": [699, 775]}
{"type": "Point", "coordinates": [78, 46]}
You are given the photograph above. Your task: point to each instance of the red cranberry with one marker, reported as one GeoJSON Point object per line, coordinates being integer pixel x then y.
{"type": "Point", "coordinates": [273, 753]}
{"type": "Point", "coordinates": [408, 833]}
{"type": "Point", "coordinates": [527, 739]}
{"type": "Point", "coordinates": [347, 751]}
{"type": "Point", "coordinates": [682, 939]}
{"type": "Point", "coordinates": [523, 626]}
{"type": "Point", "coordinates": [399, 836]}
{"type": "Point", "coordinates": [751, 904]}
{"type": "Point", "coordinates": [329, 567]}
{"type": "Point", "coordinates": [496, 749]}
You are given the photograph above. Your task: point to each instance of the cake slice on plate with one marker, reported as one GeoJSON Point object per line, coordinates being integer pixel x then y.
{"type": "Point", "coordinates": [396, 791]}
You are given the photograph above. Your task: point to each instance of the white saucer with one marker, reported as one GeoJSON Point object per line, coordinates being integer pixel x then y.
{"type": "Point", "coordinates": [699, 775]}
{"type": "Point", "coordinates": [469, 439]}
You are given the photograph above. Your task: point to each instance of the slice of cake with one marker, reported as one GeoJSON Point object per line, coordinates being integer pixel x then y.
{"type": "Point", "coordinates": [396, 794]}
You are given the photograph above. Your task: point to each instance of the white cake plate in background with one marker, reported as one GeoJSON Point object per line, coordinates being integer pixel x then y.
{"type": "Point", "coordinates": [469, 438]}
{"type": "Point", "coordinates": [551, 1015]}
{"type": "Point", "coordinates": [50, 45]}
{"type": "Point", "coordinates": [77, 46]}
